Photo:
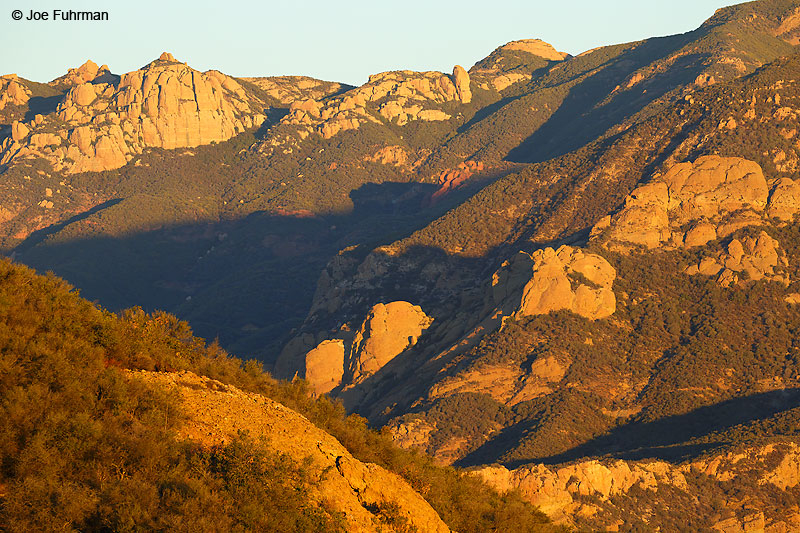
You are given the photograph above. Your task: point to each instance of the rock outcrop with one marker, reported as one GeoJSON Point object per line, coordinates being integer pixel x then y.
{"type": "Point", "coordinates": [461, 80]}
{"type": "Point", "coordinates": [325, 366]}
{"type": "Point", "coordinates": [89, 72]}
{"type": "Point", "coordinates": [703, 195]}
{"type": "Point", "coordinates": [696, 203]}
{"type": "Point", "coordinates": [453, 178]}
{"type": "Point", "coordinates": [752, 258]}
{"type": "Point", "coordinates": [287, 89]}
{"type": "Point", "coordinates": [217, 412]}
{"type": "Point", "coordinates": [593, 494]}
{"type": "Point", "coordinates": [536, 47]}
{"type": "Point", "coordinates": [13, 91]}
{"type": "Point", "coordinates": [101, 126]}
{"type": "Point", "coordinates": [554, 280]}
{"type": "Point", "coordinates": [386, 332]}
{"type": "Point", "coordinates": [397, 97]}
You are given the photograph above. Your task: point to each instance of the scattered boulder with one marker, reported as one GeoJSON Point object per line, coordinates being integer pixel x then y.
{"type": "Point", "coordinates": [751, 258]}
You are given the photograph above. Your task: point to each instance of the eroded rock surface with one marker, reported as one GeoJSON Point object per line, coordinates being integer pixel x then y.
{"type": "Point", "coordinates": [386, 332]}
{"type": "Point", "coordinates": [703, 195]}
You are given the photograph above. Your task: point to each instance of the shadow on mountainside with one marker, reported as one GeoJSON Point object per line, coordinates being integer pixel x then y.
{"type": "Point", "coordinates": [674, 438]}
{"type": "Point", "coordinates": [600, 102]}
{"type": "Point", "coordinates": [248, 281]}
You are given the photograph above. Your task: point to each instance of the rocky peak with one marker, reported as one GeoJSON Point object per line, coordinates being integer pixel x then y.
{"type": "Point", "coordinates": [166, 104]}
{"type": "Point", "coordinates": [536, 47]}
{"type": "Point", "coordinates": [13, 91]}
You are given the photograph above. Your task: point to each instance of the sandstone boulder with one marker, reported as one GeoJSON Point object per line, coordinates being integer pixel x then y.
{"type": "Point", "coordinates": [388, 330]}
{"type": "Point", "coordinates": [324, 366]}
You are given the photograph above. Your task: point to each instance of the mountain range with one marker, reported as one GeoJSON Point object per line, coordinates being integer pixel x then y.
{"type": "Point", "coordinates": [575, 277]}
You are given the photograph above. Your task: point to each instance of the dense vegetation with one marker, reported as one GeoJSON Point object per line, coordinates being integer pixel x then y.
{"type": "Point", "coordinates": [84, 448]}
{"type": "Point", "coordinates": [691, 366]}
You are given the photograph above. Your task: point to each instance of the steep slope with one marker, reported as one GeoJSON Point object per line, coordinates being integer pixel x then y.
{"type": "Point", "coordinates": [363, 493]}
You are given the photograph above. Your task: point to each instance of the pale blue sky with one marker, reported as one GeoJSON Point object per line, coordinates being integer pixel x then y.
{"type": "Point", "coordinates": [340, 41]}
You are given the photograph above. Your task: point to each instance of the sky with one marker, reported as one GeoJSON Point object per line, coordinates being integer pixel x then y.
{"type": "Point", "coordinates": [342, 41]}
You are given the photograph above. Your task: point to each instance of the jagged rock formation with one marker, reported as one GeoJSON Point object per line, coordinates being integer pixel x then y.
{"type": "Point", "coordinates": [101, 126]}
{"type": "Point", "coordinates": [397, 97]}
{"type": "Point", "coordinates": [592, 494]}
{"type": "Point", "coordinates": [542, 282]}
{"type": "Point", "coordinates": [217, 412]}
{"type": "Point", "coordinates": [13, 91]}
